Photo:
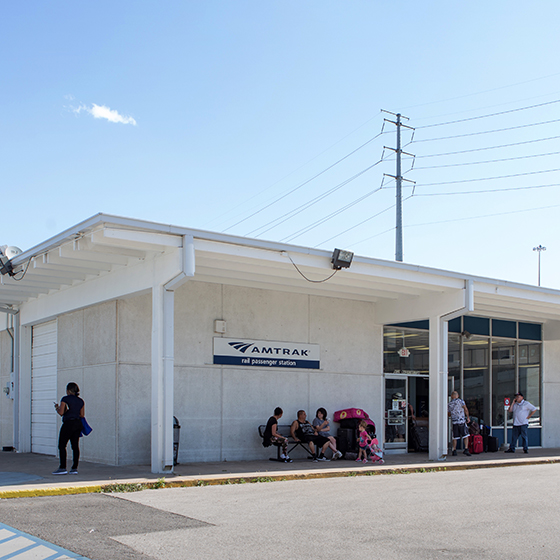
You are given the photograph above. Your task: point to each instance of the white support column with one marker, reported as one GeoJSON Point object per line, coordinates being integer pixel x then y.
{"type": "Point", "coordinates": [23, 391]}
{"type": "Point", "coordinates": [438, 389]}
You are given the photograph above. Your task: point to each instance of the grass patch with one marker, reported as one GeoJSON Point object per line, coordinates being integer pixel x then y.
{"type": "Point", "coordinates": [124, 487]}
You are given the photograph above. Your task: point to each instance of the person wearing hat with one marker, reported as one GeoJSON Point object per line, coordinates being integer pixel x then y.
{"type": "Point", "coordinates": [522, 410]}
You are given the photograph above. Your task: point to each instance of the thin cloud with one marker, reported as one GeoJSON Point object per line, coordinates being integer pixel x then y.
{"type": "Point", "coordinates": [102, 112]}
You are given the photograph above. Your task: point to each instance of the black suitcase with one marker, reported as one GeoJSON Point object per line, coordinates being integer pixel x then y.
{"type": "Point", "coordinates": [345, 440]}
{"type": "Point", "coordinates": [493, 445]}
{"type": "Point", "coordinates": [419, 437]}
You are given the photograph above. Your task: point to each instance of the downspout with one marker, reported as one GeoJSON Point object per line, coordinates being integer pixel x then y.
{"type": "Point", "coordinates": [162, 460]}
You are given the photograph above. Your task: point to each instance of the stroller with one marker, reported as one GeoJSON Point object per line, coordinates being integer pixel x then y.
{"type": "Point", "coordinates": [375, 452]}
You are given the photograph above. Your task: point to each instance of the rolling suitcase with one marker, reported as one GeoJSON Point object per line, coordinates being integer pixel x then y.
{"type": "Point", "coordinates": [476, 444]}
{"type": "Point", "coordinates": [493, 444]}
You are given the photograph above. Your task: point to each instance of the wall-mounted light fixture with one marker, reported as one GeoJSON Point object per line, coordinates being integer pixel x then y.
{"type": "Point", "coordinates": [341, 259]}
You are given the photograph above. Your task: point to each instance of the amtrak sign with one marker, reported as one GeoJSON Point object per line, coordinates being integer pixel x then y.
{"type": "Point", "coordinates": [264, 353]}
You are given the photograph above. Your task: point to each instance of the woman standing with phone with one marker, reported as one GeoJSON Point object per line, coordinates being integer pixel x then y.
{"type": "Point", "coordinates": [72, 410]}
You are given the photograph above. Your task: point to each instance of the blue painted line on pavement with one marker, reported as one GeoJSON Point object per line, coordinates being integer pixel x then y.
{"type": "Point", "coordinates": [15, 544]}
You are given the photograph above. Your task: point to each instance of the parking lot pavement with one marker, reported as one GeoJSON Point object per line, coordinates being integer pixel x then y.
{"type": "Point", "coordinates": [17, 545]}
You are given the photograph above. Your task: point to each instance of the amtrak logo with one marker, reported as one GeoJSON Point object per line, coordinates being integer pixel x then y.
{"type": "Point", "coordinates": [241, 346]}
{"type": "Point", "coordinates": [275, 350]}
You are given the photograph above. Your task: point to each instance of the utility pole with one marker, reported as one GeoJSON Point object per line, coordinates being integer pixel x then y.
{"type": "Point", "coordinates": [540, 248]}
{"type": "Point", "coordinates": [399, 179]}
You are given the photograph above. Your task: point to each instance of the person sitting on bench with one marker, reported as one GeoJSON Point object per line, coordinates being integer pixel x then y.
{"type": "Point", "coordinates": [302, 430]}
{"type": "Point", "coordinates": [272, 437]}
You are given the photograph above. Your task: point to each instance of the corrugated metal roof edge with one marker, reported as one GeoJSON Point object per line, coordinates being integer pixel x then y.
{"type": "Point", "coordinates": [133, 223]}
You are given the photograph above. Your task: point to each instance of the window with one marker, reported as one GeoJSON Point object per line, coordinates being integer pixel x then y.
{"type": "Point", "coordinates": [503, 378]}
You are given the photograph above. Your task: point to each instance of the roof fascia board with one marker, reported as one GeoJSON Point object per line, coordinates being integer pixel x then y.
{"type": "Point", "coordinates": [100, 219]}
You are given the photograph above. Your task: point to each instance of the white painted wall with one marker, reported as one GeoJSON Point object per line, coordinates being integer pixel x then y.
{"type": "Point", "coordinates": [551, 393]}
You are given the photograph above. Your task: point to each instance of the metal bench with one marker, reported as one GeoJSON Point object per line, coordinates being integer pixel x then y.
{"type": "Point", "coordinates": [284, 430]}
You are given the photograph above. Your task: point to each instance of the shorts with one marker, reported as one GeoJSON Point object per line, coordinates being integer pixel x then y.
{"type": "Point", "coordinates": [460, 431]}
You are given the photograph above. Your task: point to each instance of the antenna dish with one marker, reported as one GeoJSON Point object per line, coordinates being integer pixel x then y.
{"type": "Point", "coordinates": [12, 251]}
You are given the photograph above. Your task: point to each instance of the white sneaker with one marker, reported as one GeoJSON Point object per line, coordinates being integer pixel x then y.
{"type": "Point", "coordinates": [337, 455]}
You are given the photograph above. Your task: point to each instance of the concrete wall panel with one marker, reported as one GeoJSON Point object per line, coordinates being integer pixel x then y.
{"type": "Point", "coordinates": [135, 329]}
{"type": "Point", "coordinates": [71, 340]}
{"type": "Point", "coordinates": [347, 334]}
{"type": "Point", "coordinates": [100, 333]}
{"type": "Point", "coordinates": [266, 315]}
{"type": "Point", "coordinates": [197, 305]}
{"type": "Point", "coordinates": [198, 407]}
{"type": "Point", "coordinates": [134, 414]}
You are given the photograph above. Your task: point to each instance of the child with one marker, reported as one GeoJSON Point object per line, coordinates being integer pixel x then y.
{"type": "Point", "coordinates": [363, 441]}
{"type": "Point", "coordinates": [322, 427]}
{"type": "Point", "coordinates": [366, 443]}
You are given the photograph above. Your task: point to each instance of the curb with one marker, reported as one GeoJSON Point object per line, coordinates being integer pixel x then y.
{"type": "Point", "coordinates": [217, 480]}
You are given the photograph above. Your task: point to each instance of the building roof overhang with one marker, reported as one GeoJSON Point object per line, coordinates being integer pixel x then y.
{"type": "Point", "coordinates": [105, 244]}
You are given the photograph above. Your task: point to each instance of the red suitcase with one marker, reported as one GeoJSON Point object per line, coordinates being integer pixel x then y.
{"type": "Point", "coordinates": [476, 444]}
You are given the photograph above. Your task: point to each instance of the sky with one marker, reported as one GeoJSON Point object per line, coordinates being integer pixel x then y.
{"type": "Point", "coordinates": [265, 119]}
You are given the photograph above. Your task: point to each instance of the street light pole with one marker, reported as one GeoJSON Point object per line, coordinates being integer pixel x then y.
{"type": "Point", "coordinates": [539, 249]}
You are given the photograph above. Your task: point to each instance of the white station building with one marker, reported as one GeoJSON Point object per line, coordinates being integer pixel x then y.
{"type": "Point", "coordinates": [155, 321]}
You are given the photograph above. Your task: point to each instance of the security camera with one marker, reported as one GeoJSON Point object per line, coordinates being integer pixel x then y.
{"type": "Point", "coordinates": [6, 254]}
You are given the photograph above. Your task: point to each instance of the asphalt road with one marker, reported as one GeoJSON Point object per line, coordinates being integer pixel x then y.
{"type": "Point", "coordinates": [509, 512]}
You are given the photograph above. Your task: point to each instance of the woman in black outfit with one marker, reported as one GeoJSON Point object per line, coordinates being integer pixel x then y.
{"type": "Point", "coordinates": [71, 408]}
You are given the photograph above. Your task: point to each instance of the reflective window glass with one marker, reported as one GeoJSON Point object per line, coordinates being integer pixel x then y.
{"type": "Point", "coordinates": [405, 351]}
{"type": "Point", "coordinates": [503, 378]}
{"type": "Point", "coordinates": [476, 385]}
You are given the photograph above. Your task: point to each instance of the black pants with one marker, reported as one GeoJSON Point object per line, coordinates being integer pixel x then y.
{"type": "Point", "coordinates": [70, 431]}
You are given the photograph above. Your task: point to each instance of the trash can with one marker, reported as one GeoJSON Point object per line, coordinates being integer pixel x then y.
{"type": "Point", "coordinates": [176, 438]}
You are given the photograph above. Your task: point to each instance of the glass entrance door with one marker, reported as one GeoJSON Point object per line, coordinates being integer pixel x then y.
{"type": "Point", "coordinates": [406, 413]}
{"type": "Point", "coordinates": [396, 421]}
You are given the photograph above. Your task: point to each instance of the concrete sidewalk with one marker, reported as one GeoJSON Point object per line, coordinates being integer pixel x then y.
{"type": "Point", "coordinates": [29, 474]}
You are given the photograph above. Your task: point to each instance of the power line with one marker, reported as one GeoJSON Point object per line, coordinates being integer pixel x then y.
{"type": "Point", "coordinates": [482, 92]}
{"type": "Point", "coordinates": [357, 225]}
{"type": "Point", "coordinates": [487, 161]}
{"type": "Point", "coordinates": [486, 107]}
{"type": "Point", "coordinates": [489, 115]}
{"type": "Point", "coordinates": [302, 184]}
{"type": "Point", "coordinates": [292, 213]}
{"type": "Point", "coordinates": [294, 171]}
{"type": "Point", "coordinates": [485, 216]}
{"type": "Point", "coordinates": [488, 131]}
{"type": "Point", "coordinates": [489, 147]}
{"type": "Point", "coordinates": [490, 190]}
{"type": "Point", "coordinates": [487, 178]}
{"type": "Point", "coordinates": [329, 217]}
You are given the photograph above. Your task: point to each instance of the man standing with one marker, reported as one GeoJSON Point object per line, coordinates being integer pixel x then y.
{"type": "Point", "coordinates": [459, 413]}
{"type": "Point", "coordinates": [522, 410]}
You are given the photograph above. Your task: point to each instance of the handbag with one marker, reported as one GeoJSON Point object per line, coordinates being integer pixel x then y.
{"type": "Point", "coordinates": [86, 428]}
